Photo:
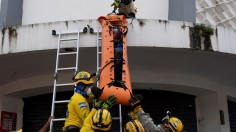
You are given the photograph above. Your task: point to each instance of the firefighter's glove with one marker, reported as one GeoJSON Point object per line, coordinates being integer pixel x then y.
{"type": "Point", "coordinates": [96, 91]}
{"type": "Point", "coordinates": [135, 104]}
{"type": "Point", "coordinates": [96, 103]}
{"type": "Point", "coordinates": [111, 101]}
{"type": "Point", "coordinates": [116, 3]}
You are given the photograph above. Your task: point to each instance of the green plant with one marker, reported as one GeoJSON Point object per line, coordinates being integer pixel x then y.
{"type": "Point", "coordinates": [206, 31]}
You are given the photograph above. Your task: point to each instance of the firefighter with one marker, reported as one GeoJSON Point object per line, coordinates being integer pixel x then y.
{"type": "Point", "coordinates": [125, 7]}
{"type": "Point", "coordinates": [78, 107]}
{"type": "Point", "coordinates": [99, 119]}
{"type": "Point", "coordinates": [133, 126]}
{"type": "Point", "coordinates": [170, 123]}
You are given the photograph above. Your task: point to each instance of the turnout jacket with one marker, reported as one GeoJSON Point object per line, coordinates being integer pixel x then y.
{"type": "Point", "coordinates": [77, 110]}
{"type": "Point", "coordinates": [147, 122]}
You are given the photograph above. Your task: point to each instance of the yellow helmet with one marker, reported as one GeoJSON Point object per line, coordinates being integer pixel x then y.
{"type": "Point", "coordinates": [134, 126]}
{"type": "Point", "coordinates": [102, 120]}
{"type": "Point", "coordinates": [19, 130]}
{"type": "Point", "coordinates": [175, 124]}
{"type": "Point", "coordinates": [83, 77]}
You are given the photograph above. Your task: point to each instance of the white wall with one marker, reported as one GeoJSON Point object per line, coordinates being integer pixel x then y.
{"type": "Point", "coordinates": [0, 4]}
{"type": "Point", "coordinates": [150, 33]}
{"type": "Point", "coordinates": [41, 11]}
{"type": "Point", "coordinates": [142, 32]}
{"type": "Point", "coordinates": [207, 113]}
{"type": "Point", "coordinates": [15, 105]}
{"type": "Point", "coordinates": [223, 105]}
{"type": "Point", "coordinates": [226, 38]}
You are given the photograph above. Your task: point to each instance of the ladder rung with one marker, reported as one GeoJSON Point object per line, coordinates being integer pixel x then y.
{"type": "Point", "coordinates": [69, 53]}
{"type": "Point", "coordinates": [99, 38]}
{"type": "Point", "coordinates": [59, 119]}
{"type": "Point", "coordinates": [65, 84]}
{"type": "Point", "coordinates": [116, 118]}
{"type": "Point", "coordinates": [61, 101]}
{"type": "Point", "coordinates": [99, 52]}
{"type": "Point", "coordinates": [68, 68]}
{"type": "Point", "coordinates": [69, 39]}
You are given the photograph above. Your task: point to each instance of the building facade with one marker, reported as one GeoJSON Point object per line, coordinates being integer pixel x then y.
{"type": "Point", "coordinates": [171, 63]}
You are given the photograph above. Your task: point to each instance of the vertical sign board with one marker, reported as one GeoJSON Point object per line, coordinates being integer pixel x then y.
{"type": "Point", "coordinates": [8, 121]}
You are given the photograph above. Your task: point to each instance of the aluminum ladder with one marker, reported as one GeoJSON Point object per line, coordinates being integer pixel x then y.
{"type": "Point", "coordinates": [60, 45]}
{"type": "Point", "coordinates": [99, 38]}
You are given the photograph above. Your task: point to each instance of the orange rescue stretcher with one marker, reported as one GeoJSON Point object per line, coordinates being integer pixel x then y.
{"type": "Point", "coordinates": [114, 72]}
